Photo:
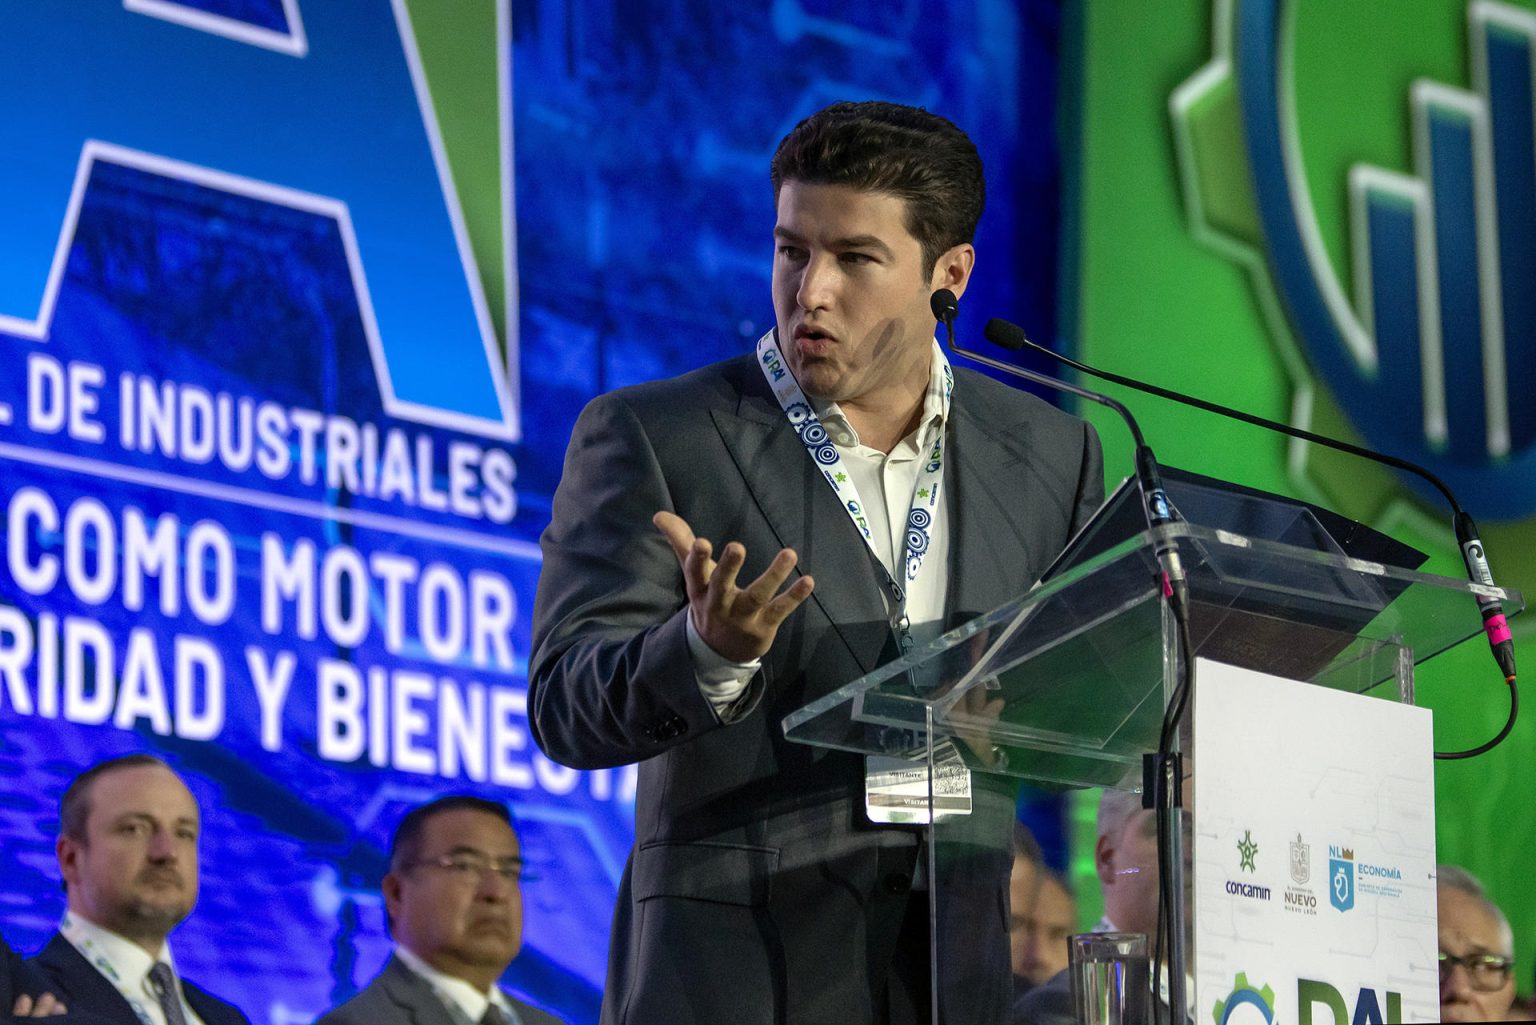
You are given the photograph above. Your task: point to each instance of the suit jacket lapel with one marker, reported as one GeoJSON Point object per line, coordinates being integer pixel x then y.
{"type": "Point", "coordinates": [208, 1007]}
{"type": "Point", "coordinates": [81, 985]}
{"type": "Point", "coordinates": [201, 1005]}
{"type": "Point", "coordinates": [413, 995]}
{"type": "Point", "coordinates": [805, 515]}
{"type": "Point", "coordinates": [994, 554]}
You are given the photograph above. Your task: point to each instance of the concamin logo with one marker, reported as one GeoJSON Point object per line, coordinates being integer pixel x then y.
{"type": "Point", "coordinates": [1246, 850]}
{"type": "Point", "coordinates": [1247, 853]}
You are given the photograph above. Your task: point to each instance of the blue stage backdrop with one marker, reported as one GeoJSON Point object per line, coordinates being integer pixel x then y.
{"type": "Point", "coordinates": [287, 389]}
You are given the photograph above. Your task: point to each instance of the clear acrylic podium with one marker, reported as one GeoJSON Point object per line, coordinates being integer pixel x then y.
{"type": "Point", "coordinates": [1066, 686]}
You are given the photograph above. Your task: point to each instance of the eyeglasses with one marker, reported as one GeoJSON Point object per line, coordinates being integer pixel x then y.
{"type": "Point", "coordinates": [469, 866]}
{"type": "Point", "coordinates": [1486, 972]}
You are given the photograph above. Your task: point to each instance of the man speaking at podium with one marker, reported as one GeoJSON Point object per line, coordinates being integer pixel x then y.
{"type": "Point", "coordinates": [731, 544]}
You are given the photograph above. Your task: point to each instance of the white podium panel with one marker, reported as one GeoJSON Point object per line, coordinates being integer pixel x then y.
{"type": "Point", "coordinates": [1314, 854]}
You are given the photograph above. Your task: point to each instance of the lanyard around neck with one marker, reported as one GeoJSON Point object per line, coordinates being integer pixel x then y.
{"type": "Point", "coordinates": [926, 505]}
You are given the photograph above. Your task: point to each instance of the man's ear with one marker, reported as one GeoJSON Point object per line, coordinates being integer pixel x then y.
{"type": "Point", "coordinates": [389, 886]}
{"type": "Point", "coordinates": [953, 269]}
{"type": "Point", "coordinates": [1103, 860]}
{"type": "Point", "coordinates": [68, 850]}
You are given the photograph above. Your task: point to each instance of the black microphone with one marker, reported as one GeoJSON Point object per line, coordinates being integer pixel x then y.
{"type": "Point", "coordinates": [1149, 480]}
{"type": "Point", "coordinates": [946, 307]}
{"type": "Point", "coordinates": [1010, 336]}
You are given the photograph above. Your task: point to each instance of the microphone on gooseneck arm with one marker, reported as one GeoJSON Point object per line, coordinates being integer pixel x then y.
{"type": "Point", "coordinates": [1011, 336]}
{"type": "Point", "coordinates": [1159, 511]}
{"type": "Point", "coordinates": [1161, 772]}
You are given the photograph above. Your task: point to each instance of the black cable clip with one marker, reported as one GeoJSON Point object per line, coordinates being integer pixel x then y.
{"type": "Point", "coordinates": [1155, 779]}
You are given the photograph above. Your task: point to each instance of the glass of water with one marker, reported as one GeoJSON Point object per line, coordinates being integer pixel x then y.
{"type": "Point", "coordinates": [1111, 978]}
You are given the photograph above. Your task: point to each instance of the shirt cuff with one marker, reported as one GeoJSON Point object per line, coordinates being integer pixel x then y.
{"type": "Point", "coordinates": [722, 682]}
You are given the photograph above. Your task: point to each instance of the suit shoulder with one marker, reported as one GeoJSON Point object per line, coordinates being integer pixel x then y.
{"type": "Point", "coordinates": [52, 952]}
{"type": "Point", "coordinates": [58, 961]}
{"type": "Point", "coordinates": [719, 385]}
{"type": "Point", "coordinates": [352, 1012]}
{"type": "Point", "coordinates": [532, 1015]}
{"type": "Point", "coordinates": [344, 1014]}
{"type": "Point", "coordinates": [213, 1010]}
{"type": "Point", "coordinates": [368, 1007]}
{"type": "Point", "coordinates": [18, 977]}
{"type": "Point", "coordinates": [1047, 1004]}
{"type": "Point", "coordinates": [87, 992]}
{"type": "Point", "coordinates": [984, 393]}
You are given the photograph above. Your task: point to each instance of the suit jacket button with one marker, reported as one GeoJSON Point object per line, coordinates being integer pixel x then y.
{"type": "Point", "coordinates": [897, 882]}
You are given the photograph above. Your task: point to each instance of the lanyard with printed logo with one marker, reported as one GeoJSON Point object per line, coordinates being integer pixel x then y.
{"type": "Point", "coordinates": [925, 506]}
{"type": "Point", "coordinates": [895, 790]}
{"type": "Point", "coordinates": [102, 961]}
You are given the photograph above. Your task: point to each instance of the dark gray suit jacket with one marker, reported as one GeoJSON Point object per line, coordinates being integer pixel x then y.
{"type": "Point", "coordinates": [757, 891]}
{"type": "Point", "coordinates": [84, 989]}
{"type": "Point", "coordinates": [17, 978]}
{"type": "Point", "coordinates": [398, 996]}
{"type": "Point", "coordinates": [1051, 1004]}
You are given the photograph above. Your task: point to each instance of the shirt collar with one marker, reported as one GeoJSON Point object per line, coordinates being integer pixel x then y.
{"type": "Point", "coordinates": [935, 401]}
{"type": "Point", "coordinates": [118, 958]}
{"type": "Point", "coordinates": [460, 993]}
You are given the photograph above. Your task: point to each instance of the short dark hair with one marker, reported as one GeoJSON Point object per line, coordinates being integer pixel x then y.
{"type": "Point", "coordinates": [405, 845]}
{"type": "Point", "coordinates": [75, 805]}
{"type": "Point", "coordinates": [1025, 845]}
{"type": "Point", "coordinates": [902, 151]}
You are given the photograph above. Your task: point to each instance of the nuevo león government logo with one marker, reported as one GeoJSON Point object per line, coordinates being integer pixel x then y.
{"type": "Point", "coordinates": [1301, 862]}
{"type": "Point", "coordinates": [1299, 898]}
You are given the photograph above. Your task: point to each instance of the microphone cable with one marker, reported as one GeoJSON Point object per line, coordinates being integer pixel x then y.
{"type": "Point", "coordinates": [1008, 335]}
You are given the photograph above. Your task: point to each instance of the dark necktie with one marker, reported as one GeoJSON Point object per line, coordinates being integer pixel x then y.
{"type": "Point", "coordinates": [164, 984]}
{"type": "Point", "coordinates": [492, 1016]}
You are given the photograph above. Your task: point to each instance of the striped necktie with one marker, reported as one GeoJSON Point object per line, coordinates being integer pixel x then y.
{"type": "Point", "coordinates": [163, 982]}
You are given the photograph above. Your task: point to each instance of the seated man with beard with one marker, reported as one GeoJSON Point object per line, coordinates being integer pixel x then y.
{"type": "Point", "coordinates": [127, 849]}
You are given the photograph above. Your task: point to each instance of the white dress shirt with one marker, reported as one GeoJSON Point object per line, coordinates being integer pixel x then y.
{"type": "Point", "coordinates": [885, 483]}
{"type": "Point", "coordinates": [455, 992]}
{"type": "Point", "coordinates": [126, 965]}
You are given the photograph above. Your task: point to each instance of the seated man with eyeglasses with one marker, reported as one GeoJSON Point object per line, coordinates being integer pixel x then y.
{"type": "Point", "coordinates": [455, 908]}
{"type": "Point", "coordinates": [1477, 950]}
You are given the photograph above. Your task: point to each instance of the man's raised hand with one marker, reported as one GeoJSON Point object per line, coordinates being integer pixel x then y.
{"type": "Point", "coordinates": [739, 623]}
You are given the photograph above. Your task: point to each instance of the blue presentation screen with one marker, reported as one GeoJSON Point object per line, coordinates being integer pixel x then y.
{"type": "Point", "coordinates": [288, 386]}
